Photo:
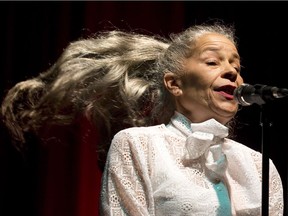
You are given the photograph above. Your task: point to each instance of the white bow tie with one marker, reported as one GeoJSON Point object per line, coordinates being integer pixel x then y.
{"type": "Point", "coordinates": [205, 138]}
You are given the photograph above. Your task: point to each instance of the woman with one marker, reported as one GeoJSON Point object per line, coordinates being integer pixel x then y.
{"type": "Point", "coordinates": [181, 162]}
{"type": "Point", "coordinates": [188, 166]}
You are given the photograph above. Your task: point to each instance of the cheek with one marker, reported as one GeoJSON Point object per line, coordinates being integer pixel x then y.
{"type": "Point", "coordinates": [195, 96]}
{"type": "Point", "coordinates": [194, 79]}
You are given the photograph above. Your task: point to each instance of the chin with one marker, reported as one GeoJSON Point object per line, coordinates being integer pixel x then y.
{"type": "Point", "coordinates": [224, 115]}
{"type": "Point", "coordinates": [226, 108]}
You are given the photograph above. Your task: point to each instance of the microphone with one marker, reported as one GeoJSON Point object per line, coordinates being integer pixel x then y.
{"type": "Point", "coordinates": [247, 94]}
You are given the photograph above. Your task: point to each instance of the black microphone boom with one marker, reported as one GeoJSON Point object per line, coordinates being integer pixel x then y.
{"type": "Point", "coordinates": [247, 94]}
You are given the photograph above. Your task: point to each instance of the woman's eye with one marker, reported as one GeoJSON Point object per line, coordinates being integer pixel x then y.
{"type": "Point", "coordinates": [237, 69]}
{"type": "Point", "coordinates": [211, 63]}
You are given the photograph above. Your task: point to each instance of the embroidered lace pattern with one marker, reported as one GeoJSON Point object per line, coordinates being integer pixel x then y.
{"type": "Point", "coordinates": [149, 171]}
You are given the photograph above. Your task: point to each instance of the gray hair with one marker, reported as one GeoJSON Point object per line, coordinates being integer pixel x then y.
{"type": "Point", "coordinates": [113, 78]}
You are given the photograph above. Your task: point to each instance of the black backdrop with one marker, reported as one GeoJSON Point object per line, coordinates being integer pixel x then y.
{"type": "Point", "coordinates": [33, 34]}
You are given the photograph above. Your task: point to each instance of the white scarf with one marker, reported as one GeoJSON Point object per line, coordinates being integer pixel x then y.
{"type": "Point", "coordinates": [207, 139]}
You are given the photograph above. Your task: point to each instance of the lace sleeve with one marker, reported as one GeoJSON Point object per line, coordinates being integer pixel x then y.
{"type": "Point", "coordinates": [126, 188]}
{"type": "Point", "coordinates": [276, 199]}
{"type": "Point", "coordinates": [276, 205]}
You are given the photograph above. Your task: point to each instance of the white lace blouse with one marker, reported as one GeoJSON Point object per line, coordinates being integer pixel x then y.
{"type": "Point", "coordinates": [185, 169]}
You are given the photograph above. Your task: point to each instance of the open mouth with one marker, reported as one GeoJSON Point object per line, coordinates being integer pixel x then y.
{"type": "Point", "coordinates": [227, 91]}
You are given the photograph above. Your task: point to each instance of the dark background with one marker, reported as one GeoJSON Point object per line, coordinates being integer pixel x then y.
{"type": "Point", "coordinates": [33, 35]}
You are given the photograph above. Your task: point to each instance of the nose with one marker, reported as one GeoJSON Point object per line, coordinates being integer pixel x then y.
{"type": "Point", "coordinates": [230, 73]}
{"type": "Point", "coordinates": [232, 76]}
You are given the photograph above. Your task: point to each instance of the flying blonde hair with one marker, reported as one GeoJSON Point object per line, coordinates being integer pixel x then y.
{"type": "Point", "coordinates": [114, 78]}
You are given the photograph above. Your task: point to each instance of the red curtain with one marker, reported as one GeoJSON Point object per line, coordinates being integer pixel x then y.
{"type": "Point", "coordinates": [69, 175]}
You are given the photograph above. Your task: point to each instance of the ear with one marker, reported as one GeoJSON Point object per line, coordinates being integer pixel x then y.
{"type": "Point", "coordinates": [173, 84]}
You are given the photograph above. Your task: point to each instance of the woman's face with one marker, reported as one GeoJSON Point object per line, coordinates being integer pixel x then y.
{"type": "Point", "coordinates": [212, 74]}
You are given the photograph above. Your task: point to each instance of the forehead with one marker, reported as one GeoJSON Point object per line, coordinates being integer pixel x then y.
{"type": "Point", "coordinates": [214, 41]}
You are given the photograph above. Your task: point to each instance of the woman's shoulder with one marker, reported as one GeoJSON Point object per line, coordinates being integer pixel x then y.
{"type": "Point", "coordinates": [142, 131]}
{"type": "Point", "coordinates": [139, 138]}
{"type": "Point", "coordinates": [236, 145]}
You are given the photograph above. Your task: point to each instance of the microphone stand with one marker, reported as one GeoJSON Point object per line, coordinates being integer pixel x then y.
{"type": "Point", "coordinates": [265, 126]}
{"type": "Point", "coordinates": [246, 95]}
